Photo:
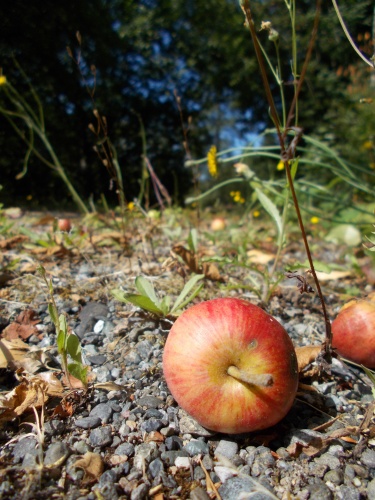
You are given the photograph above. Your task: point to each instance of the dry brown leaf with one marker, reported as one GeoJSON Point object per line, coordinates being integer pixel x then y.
{"type": "Point", "coordinates": [9, 243]}
{"type": "Point", "coordinates": [30, 392]}
{"type": "Point", "coordinates": [307, 355]}
{"type": "Point", "coordinates": [12, 353]}
{"type": "Point", "coordinates": [333, 275]}
{"type": "Point", "coordinates": [54, 386]}
{"type": "Point", "coordinates": [53, 251]}
{"type": "Point", "coordinates": [116, 236]}
{"type": "Point", "coordinates": [211, 272]}
{"type": "Point", "coordinates": [209, 269]}
{"type": "Point", "coordinates": [190, 259]}
{"type": "Point", "coordinates": [23, 326]}
{"type": "Point", "coordinates": [260, 257]}
{"type": "Point", "coordinates": [92, 465]}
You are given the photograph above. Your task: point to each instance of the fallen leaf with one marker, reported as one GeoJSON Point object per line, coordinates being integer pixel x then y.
{"type": "Point", "coordinates": [259, 256]}
{"type": "Point", "coordinates": [209, 269]}
{"type": "Point", "coordinates": [9, 243]}
{"type": "Point", "coordinates": [333, 275]}
{"type": "Point", "coordinates": [12, 353]}
{"type": "Point", "coordinates": [31, 392]}
{"type": "Point", "coordinates": [92, 465]}
{"type": "Point", "coordinates": [23, 326]}
{"type": "Point", "coordinates": [307, 355]}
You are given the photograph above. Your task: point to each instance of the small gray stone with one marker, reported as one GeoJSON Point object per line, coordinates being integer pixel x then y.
{"type": "Point", "coordinates": [334, 476]}
{"type": "Point", "coordinates": [234, 486]}
{"type": "Point", "coordinates": [88, 422]}
{"type": "Point", "coordinates": [81, 447]}
{"type": "Point", "coordinates": [199, 494]}
{"type": "Point", "coordinates": [371, 490]}
{"type": "Point", "coordinates": [190, 426]}
{"type": "Point", "coordinates": [227, 448]}
{"type": "Point", "coordinates": [319, 490]}
{"type": "Point", "coordinates": [30, 461]}
{"type": "Point", "coordinates": [151, 424]}
{"type": "Point", "coordinates": [368, 458]}
{"type": "Point", "coordinates": [196, 447]}
{"type": "Point", "coordinates": [156, 467]}
{"type": "Point", "coordinates": [349, 493]}
{"type": "Point", "coordinates": [199, 473]}
{"type": "Point", "coordinates": [56, 453]}
{"type": "Point", "coordinates": [108, 476]}
{"type": "Point", "coordinates": [125, 449]}
{"type": "Point", "coordinates": [23, 446]}
{"type": "Point", "coordinates": [54, 427]}
{"type": "Point", "coordinates": [102, 374]}
{"type": "Point", "coordinates": [329, 460]}
{"type": "Point", "coordinates": [145, 453]}
{"type": "Point", "coordinates": [102, 411]}
{"type": "Point", "coordinates": [149, 402]}
{"type": "Point", "coordinates": [144, 349]}
{"type": "Point", "coordinates": [139, 493]}
{"type": "Point", "coordinates": [170, 456]}
{"type": "Point", "coordinates": [101, 436]}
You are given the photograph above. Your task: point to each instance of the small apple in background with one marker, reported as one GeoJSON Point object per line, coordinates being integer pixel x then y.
{"type": "Point", "coordinates": [231, 366]}
{"type": "Point", "coordinates": [353, 331]}
{"type": "Point", "coordinates": [64, 225]}
{"type": "Point", "coordinates": [218, 224]}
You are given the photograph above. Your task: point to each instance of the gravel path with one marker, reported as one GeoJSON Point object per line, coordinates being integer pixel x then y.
{"type": "Point", "coordinates": [129, 439]}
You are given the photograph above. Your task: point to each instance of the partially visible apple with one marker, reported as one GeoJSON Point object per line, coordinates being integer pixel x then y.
{"type": "Point", "coordinates": [64, 225]}
{"type": "Point", "coordinates": [231, 366]}
{"type": "Point", "coordinates": [353, 331]}
{"type": "Point", "coordinates": [218, 224]}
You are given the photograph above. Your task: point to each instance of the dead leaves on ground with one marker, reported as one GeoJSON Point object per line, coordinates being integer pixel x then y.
{"type": "Point", "coordinates": [92, 465]}
{"type": "Point", "coordinates": [33, 391]}
{"type": "Point", "coordinates": [23, 326]}
{"type": "Point", "coordinates": [192, 261]}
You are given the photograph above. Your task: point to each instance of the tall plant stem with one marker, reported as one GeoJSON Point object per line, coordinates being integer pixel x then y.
{"type": "Point", "coordinates": [288, 153]}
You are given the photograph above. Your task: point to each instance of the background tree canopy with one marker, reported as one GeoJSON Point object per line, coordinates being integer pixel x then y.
{"type": "Point", "coordinates": [146, 53]}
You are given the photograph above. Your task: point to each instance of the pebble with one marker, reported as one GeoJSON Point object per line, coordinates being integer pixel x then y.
{"type": "Point", "coordinates": [182, 462]}
{"type": "Point", "coordinates": [102, 436]}
{"type": "Point", "coordinates": [368, 458]}
{"type": "Point", "coordinates": [88, 422]}
{"type": "Point", "coordinates": [103, 411]}
{"type": "Point", "coordinates": [125, 449]}
{"type": "Point", "coordinates": [196, 447]}
{"type": "Point", "coordinates": [56, 454]}
{"type": "Point", "coordinates": [227, 448]}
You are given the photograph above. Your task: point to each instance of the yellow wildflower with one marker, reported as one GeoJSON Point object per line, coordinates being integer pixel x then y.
{"type": "Point", "coordinates": [314, 220]}
{"type": "Point", "coordinates": [212, 161]}
{"type": "Point", "coordinates": [280, 165]}
{"type": "Point", "coordinates": [3, 79]}
{"type": "Point", "coordinates": [368, 145]}
{"type": "Point", "coordinates": [237, 197]}
{"type": "Point", "coordinates": [131, 206]}
{"type": "Point", "coordinates": [256, 213]}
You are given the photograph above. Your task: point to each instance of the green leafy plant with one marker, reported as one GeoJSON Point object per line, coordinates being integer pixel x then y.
{"type": "Point", "coordinates": [68, 344]}
{"type": "Point", "coordinates": [148, 300]}
{"type": "Point", "coordinates": [21, 112]}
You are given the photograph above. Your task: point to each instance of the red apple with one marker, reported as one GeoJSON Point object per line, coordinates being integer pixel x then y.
{"type": "Point", "coordinates": [218, 224]}
{"type": "Point", "coordinates": [64, 225]}
{"type": "Point", "coordinates": [231, 366]}
{"type": "Point", "coordinates": [354, 331]}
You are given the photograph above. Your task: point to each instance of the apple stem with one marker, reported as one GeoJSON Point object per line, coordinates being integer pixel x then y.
{"type": "Point", "coordinates": [259, 379]}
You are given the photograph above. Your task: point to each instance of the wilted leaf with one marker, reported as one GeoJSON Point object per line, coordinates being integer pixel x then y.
{"type": "Point", "coordinates": [54, 386]}
{"type": "Point", "coordinates": [259, 256]}
{"type": "Point", "coordinates": [190, 259]}
{"type": "Point", "coordinates": [23, 327]}
{"type": "Point", "coordinates": [92, 465]}
{"type": "Point", "coordinates": [30, 392]}
{"type": "Point", "coordinates": [12, 352]}
{"type": "Point", "coordinates": [9, 243]}
{"type": "Point", "coordinates": [307, 355]}
{"type": "Point", "coordinates": [212, 272]}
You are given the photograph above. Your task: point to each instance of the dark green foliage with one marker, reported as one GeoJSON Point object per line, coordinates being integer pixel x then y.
{"type": "Point", "coordinates": [143, 52]}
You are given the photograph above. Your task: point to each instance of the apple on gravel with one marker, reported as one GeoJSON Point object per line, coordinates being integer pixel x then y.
{"type": "Point", "coordinates": [231, 366]}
